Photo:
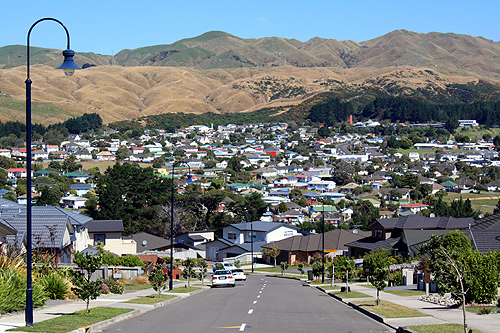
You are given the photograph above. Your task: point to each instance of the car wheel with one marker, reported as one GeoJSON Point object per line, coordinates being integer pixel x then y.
{"type": "Point", "coordinates": [233, 285]}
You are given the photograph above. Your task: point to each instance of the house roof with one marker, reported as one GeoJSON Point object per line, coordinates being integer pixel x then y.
{"type": "Point", "coordinates": [103, 226]}
{"type": "Point", "coordinates": [152, 242]}
{"type": "Point", "coordinates": [373, 244]}
{"type": "Point", "coordinates": [421, 222]}
{"type": "Point", "coordinates": [334, 240]}
{"type": "Point", "coordinates": [484, 240]}
{"type": "Point", "coordinates": [491, 222]}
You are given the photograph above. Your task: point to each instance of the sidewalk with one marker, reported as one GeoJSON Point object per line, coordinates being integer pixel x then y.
{"type": "Point", "coordinates": [68, 307]}
{"type": "Point", "coordinates": [438, 314]}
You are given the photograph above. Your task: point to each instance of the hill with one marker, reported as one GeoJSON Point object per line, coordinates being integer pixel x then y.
{"type": "Point", "coordinates": [221, 73]}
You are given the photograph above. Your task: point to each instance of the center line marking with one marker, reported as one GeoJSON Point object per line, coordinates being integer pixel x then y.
{"type": "Point", "coordinates": [254, 302]}
{"type": "Point", "coordinates": [258, 296]}
{"type": "Point", "coordinates": [242, 327]}
{"type": "Point", "coordinates": [250, 311]}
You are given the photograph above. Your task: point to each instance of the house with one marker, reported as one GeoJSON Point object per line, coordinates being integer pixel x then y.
{"type": "Point", "coordinates": [73, 202]}
{"type": "Point", "coordinates": [17, 173]}
{"type": "Point", "coordinates": [5, 229]}
{"type": "Point", "coordinates": [108, 233]}
{"type": "Point", "coordinates": [304, 249]}
{"type": "Point", "coordinates": [195, 238]}
{"type": "Point", "coordinates": [39, 155]}
{"type": "Point", "coordinates": [148, 242]}
{"type": "Point", "coordinates": [413, 208]}
{"type": "Point", "coordinates": [81, 189]}
{"type": "Point", "coordinates": [105, 156]}
{"type": "Point", "coordinates": [238, 238]}
{"type": "Point", "coordinates": [77, 177]}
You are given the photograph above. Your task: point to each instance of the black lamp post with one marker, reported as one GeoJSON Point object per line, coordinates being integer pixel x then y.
{"type": "Point", "coordinates": [68, 67]}
{"type": "Point", "coordinates": [323, 241]}
{"type": "Point", "coordinates": [171, 283]}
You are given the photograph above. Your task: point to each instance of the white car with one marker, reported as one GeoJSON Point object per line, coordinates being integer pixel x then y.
{"type": "Point", "coordinates": [226, 266]}
{"type": "Point", "coordinates": [239, 274]}
{"type": "Point", "coordinates": [223, 278]}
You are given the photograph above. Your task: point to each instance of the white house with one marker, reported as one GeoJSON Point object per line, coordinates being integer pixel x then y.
{"type": "Point", "coordinates": [73, 202]}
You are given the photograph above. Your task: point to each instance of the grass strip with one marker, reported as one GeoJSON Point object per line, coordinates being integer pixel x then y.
{"type": "Point", "coordinates": [329, 287]}
{"type": "Point", "coordinates": [351, 294]}
{"type": "Point", "coordinates": [405, 293]}
{"type": "Point", "coordinates": [441, 328]}
{"type": "Point", "coordinates": [136, 286]}
{"type": "Point", "coordinates": [494, 309]}
{"type": "Point", "coordinates": [150, 299]}
{"type": "Point", "coordinates": [390, 310]}
{"type": "Point", "coordinates": [71, 322]}
{"type": "Point", "coordinates": [184, 290]}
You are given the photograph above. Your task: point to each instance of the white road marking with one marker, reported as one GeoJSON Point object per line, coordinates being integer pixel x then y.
{"type": "Point", "coordinates": [258, 296]}
{"type": "Point", "coordinates": [242, 327]}
{"type": "Point", "coordinates": [260, 292]}
{"type": "Point", "coordinates": [254, 302]}
{"type": "Point", "coordinates": [250, 311]}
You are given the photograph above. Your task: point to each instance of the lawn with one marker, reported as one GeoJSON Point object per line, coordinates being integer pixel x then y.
{"type": "Point", "coordinates": [271, 269]}
{"type": "Point", "coordinates": [390, 310]}
{"type": "Point", "coordinates": [351, 294]}
{"type": "Point", "coordinates": [441, 328]}
{"type": "Point", "coordinates": [329, 287]}
{"type": "Point", "coordinates": [151, 299]}
{"type": "Point", "coordinates": [136, 286]}
{"type": "Point", "coordinates": [71, 322]}
{"type": "Point", "coordinates": [184, 290]}
{"type": "Point", "coordinates": [494, 309]}
{"type": "Point", "coordinates": [406, 292]}
{"type": "Point", "coordinates": [485, 201]}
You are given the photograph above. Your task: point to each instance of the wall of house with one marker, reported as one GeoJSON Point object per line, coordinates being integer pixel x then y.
{"type": "Point", "coordinates": [280, 233]}
{"type": "Point", "coordinates": [82, 239]}
{"type": "Point", "coordinates": [116, 244]}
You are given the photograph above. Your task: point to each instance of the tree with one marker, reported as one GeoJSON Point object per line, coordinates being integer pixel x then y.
{"type": "Point", "coordinates": [282, 207]}
{"type": "Point", "coordinates": [273, 252]}
{"type": "Point", "coordinates": [202, 264]}
{"type": "Point", "coordinates": [49, 195]}
{"type": "Point", "coordinates": [158, 279]}
{"type": "Point", "coordinates": [188, 271]}
{"type": "Point", "coordinates": [317, 268]}
{"type": "Point", "coordinates": [84, 287]}
{"type": "Point", "coordinates": [284, 266]}
{"type": "Point", "coordinates": [342, 172]}
{"type": "Point", "coordinates": [377, 263]}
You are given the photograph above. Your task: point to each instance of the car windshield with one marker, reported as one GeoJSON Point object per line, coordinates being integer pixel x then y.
{"type": "Point", "coordinates": [222, 272]}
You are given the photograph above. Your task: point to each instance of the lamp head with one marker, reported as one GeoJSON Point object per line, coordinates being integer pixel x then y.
{"type": "Point", "coordinates": [68, 65]}
{"type": "Point", "coordinates": [190, 179]}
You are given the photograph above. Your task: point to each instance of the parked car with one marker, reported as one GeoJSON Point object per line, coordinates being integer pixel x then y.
{"type": "Point", "coordinates": [239, 274]}
{"type": "Point", "coordinates": [227, 266]}
{"type": "Point", "coordinates": [223, 278]}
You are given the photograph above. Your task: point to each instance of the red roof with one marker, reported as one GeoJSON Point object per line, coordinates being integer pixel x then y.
{"type": "Point", "coordinates": [17, 170]}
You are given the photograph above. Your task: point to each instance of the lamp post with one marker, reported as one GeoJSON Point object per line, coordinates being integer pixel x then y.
{"type": "Point", "coordinates": [251, 240]}
{"type": "Point", "coordinates": [171, 283]}
{"type": "Point", "coordinates": [68, 67]}
{"type": "Point", "coordinates": [323, 242]}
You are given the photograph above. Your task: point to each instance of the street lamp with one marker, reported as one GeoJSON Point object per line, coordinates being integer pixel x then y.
{"type": "Point", "coordinates": [171, 283]}
{"type": "Point", "coordinates": [68, 67]}
{"type": "Point", "coordinates": [323, 241]}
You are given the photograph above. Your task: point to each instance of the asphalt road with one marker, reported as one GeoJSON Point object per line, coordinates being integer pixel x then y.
{"type": "Point", "coordinates": [261, 304]}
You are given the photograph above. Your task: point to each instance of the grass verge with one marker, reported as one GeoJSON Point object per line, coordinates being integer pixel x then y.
{"type": "Point", "coordinates": [151, 299]}
{"type": "Point", "coordinates": [441, 328]}
{"type": "Point", "coordinates": [351, 294]}
{"type": "Point", "coordinates": [329, 287]}
{"type": "Point", "coordinates": [71, 322]}
{"type": "Point", "coordinates": [390, 310]}
{"type": "Point", "coordinates": [184, 290]}
{"type": "Point", "coordinates": [136, 286]}
{"type": "Point", "coordinates": [406, 292]}
{"type": "Point", "coordinates": [494, 309]}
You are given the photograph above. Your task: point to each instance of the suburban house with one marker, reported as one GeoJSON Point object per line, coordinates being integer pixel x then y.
{"type": "Point", "coordinates": [304, 249]}
{"type": "Point", "coordinates": [5, 229]}
{"type": "Point", "coordinates": [73, 202]}
{"type": "Point", "coordinates": [387, 232]}
{"type": "Point", "coordinates": [239, 237]}
{"type": "Point", "coordinates": [148, 242]}
{"type": "Point", "coordinates": [195, 238]}
{"type": "Point", "coordinates": [108, 233]}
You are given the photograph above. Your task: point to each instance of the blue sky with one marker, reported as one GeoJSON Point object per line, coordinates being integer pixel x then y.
{"type": "Point", "coordinates": [108, 26]}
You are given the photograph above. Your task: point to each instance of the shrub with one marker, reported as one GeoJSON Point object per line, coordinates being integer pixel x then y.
{"type": "Point", "coordinates": [141, 279]}
{"type": "Point", "coordinates": [483, 311]}
{"type": "Point", "coordinates": [104, 289]}
{"type": "Point", "coordinates": [115, 287]}
{"type": "Point", "coordinates": [55, 286]}
{"type": "Point", "coordinates": [397, 276]}
{"type": "Point", "coordinates": [13, 291]}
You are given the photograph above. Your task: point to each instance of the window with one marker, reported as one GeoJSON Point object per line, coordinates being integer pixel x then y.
{"type": "Point", "coordinates": [378, 233]}
{"type": "Point", "coordinates": [231, 235]}
{"type": "Point", "coordinates": [288, 233]}
{"type": "Point", "coordinates": [99, 239]}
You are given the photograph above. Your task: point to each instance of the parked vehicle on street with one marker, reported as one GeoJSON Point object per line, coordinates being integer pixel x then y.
{"type": "Point", "coordinates": [226, 266]}
{"type": "Point", "coordinates": [239, 274]}
{"type": "Point", "coordinates": [223, 278]}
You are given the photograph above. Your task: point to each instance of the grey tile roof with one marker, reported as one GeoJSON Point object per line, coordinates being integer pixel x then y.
{"type": "Point", "coordinates": [420, 222]}
{"type": "Point", "coordinates": [98, 226]}
{"type": "Point", "coordinates": [153, 242]}
{"type": "Point", "coordinates": [47, 231]}
{"type": "Point", "coordinates": [484, 240]}
{"type": "Point", "coordinates": [373, 244]}
{"type": "Point", "coordinates": [261, 226]}
{"type": "Point", "coordinates": [491, 222]}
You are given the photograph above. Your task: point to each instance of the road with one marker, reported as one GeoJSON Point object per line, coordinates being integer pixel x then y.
{"type": "Point", "coordinates": [261, 304]}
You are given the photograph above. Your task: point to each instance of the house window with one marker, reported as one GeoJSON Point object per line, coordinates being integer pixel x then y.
{"type": "Point", "coordinates": [231, 235]}
{"type": "Point", "coordinates": [379, 233]}
{"type": "Point", "coordinates": [99, 239]}
{"type": "Point", "coordinates": [288, 233]}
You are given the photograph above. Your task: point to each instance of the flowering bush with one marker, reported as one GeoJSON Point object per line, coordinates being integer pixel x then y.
{"type": "Point", "coordinates": [104, 288]}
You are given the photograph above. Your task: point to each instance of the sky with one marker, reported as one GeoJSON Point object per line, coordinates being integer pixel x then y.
{"type": "Point", "coordinates": [108, 26]}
